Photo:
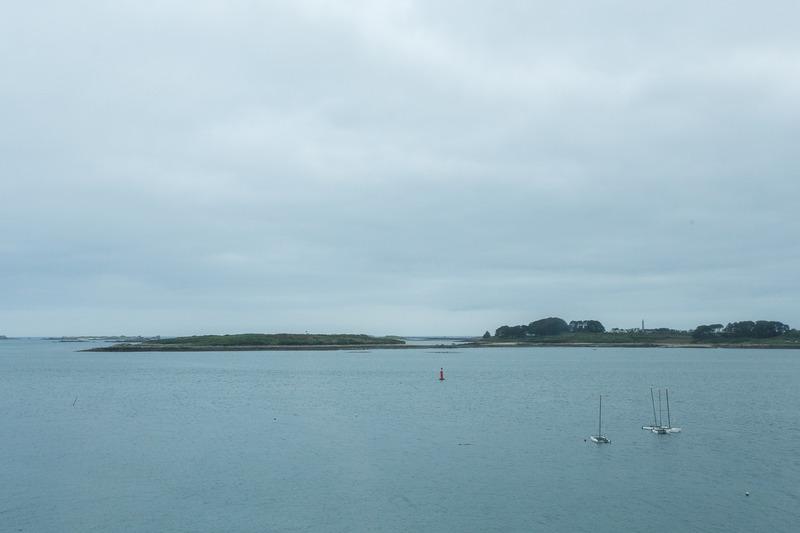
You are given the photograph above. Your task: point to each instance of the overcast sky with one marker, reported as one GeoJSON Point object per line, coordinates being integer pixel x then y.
{"type": "Point", "coordinates": [398, 167]}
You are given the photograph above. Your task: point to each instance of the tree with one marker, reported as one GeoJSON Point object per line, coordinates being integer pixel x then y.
{"type": "Point", "coordinates": [769, 328]}
{"type": "Point", "coordinates": [513, 332]}
{"type": "Point", "coordinates": [740, 329]}
{"type": "Point", "coordinates": [760, 329]}
{"type": "Point", "coordinates": [548, 326]}
{"type": "Point", "coordinates": [706, 331]}
{"type": "Point", "coordinates": [487, 335]}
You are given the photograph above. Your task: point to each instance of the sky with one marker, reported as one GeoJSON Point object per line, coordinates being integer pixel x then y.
{"type": "Point", "coordinates": [398, 167]}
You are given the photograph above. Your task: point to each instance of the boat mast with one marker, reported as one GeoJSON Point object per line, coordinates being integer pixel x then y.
{"type": "Point", "coordinates": [652, 399]}
{"type": "Point", "coordinates": [669, 422]}
{"type": "Point", "coordinates": [659, 408]}
{"type": "Point", "coordinates": [600, 418]}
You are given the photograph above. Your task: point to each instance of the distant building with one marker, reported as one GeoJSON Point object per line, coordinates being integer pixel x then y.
{"type": "Point", "coordinates": [593, 326]}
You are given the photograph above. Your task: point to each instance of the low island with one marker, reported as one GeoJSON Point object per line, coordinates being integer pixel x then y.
{"type": "Point", "coordinates": [549, 332]}
{"type": "Point", "coordinates": [555, 331]}
{"type": "Point", "coordinates": [255, 341]}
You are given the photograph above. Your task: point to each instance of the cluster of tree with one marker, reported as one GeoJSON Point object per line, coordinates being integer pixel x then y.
{"type": "Point", "coordinates": [760, 329]}
{"type": "Point", "coordinates": [547, 326]}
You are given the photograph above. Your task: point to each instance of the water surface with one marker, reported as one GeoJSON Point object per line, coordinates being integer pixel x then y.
{"type": "Point", "coordinates": [372, 441]}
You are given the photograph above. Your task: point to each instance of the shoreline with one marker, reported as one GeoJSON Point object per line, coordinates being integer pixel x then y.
{"type": "Point", "coordinates": [644, 345]}
{"type": "Point", "coordinates": [259, 348]}
{"type": "Point", "coordinates": [360, 347]}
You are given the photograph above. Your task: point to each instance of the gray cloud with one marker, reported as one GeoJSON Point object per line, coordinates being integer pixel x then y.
{"type": "Point", "coordinates": [396, 167]}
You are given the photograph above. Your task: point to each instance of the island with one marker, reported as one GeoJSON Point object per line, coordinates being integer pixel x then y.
{"type": "Point", "coordinates": [256, 341]}
{"type": "Point", "coordinates": [545, 332]}
{"type": "Point", "coordinates": [555, 331]}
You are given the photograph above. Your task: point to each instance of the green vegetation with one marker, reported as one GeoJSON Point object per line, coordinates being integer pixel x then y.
{"type": "Point", "coordinates": [747, 329]}
{"type": "Point", "coordinates": [548, 327]}
{"type": "Point", "coordinates": [635, 338]}
{"type": "Point", "coordinates": [253, 341]}
{"type": "Point", "coordinates": [555, 331]}
{"type": "Point", "coordinates": [277, 339]}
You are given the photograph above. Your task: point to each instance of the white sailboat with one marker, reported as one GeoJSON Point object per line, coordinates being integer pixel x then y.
{"type": "Point", "coordinates": [658, 426]}
{"type": "Point", "coordinates": [600, 438]}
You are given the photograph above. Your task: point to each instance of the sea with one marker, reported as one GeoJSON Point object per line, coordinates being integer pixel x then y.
{"type": "Point", "coordinates": [372, 441]}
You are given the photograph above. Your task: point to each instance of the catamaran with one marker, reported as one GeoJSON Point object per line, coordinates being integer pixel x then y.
{"type": "Point", "coordinates": [600, 438]}
{"type": "Point", "coordinates": [658, 426]}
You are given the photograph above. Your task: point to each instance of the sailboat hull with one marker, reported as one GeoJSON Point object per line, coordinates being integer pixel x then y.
{"type": "Point", "coordinates": [662, 430]}
{"type": "Point", "coordinates": [658, 428]}
{"type": "Point", "coordinates": [600, 439]}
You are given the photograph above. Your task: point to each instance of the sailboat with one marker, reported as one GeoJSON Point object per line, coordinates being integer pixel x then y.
{"type": "Point", "coordinates": [600, 438]}
{"type": "Point", "coordinates": [658, 426]}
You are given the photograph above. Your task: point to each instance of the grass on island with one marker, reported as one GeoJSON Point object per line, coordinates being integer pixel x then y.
{"type": "Point", "coordinates": [251, 341]}
{"type": "Point", "coordinates": [643, 338]}
{"type": "Point", "coordinates": [599, 338]}
{"type": "Point", "coordinates": [275, 339]}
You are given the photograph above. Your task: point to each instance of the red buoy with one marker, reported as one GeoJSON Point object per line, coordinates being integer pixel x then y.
{"type": "Point", "coordinates": [441, 374]}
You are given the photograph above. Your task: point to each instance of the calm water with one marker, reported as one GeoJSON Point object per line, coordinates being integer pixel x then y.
{"type": "Point", "coordinates": [336, 441]}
